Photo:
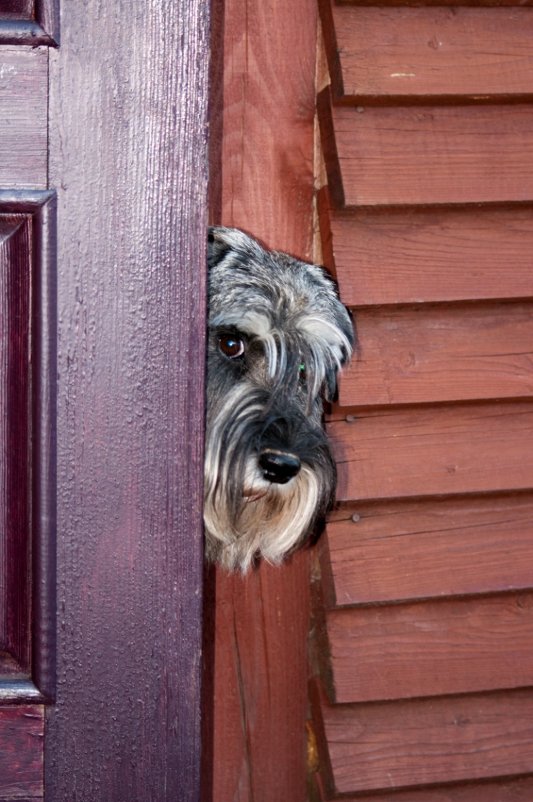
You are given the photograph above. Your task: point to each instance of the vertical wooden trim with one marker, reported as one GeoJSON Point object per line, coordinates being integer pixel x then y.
{"type": "Point", "coordinates": [216, 116]}
{"type": "Point", "coordinates": [47, 14]}
{"type": "Point", "coordinates": [262, 620]}
{"type": "Point", "coordinates": [128, 126]}
{"type": "Point", "coordinates": [216, 120]}
{"type": "Point", "coordinates": [329, 147]}
{"type": "Point", "coordinates": [44, 385]}
{"type": "Point", "coordinates": [331, 46]}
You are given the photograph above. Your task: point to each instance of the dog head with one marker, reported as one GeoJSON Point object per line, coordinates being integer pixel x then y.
{"type": "Point", "coordinates": [278, 337]}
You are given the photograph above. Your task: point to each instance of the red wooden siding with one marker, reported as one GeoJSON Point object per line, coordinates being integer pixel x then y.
{"type": "Point", "coordinates": [520, 790]}
{"type": "Point", "coordinates": [395, 453]}
{"type": "Point", "coordinates": [395, 551]}
{"type": "Point", "coordinates": [405, 256]}
{"type": "Point", "coordinates": [421, 742]}
{"type": "Point", "coordinates": [406, 155]}
{"type": "Point", "coordinates": [441, 353]}
{"type": "Point", "coordinates": [434, 52]}
{"type": "Point", "coordinates": [424, 685]}
{"type": "Point", "coordinates": [431, 649]}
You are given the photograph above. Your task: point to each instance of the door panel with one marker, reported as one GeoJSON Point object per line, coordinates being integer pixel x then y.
{"type": "Point", "coordinates": [115, 130]}
{"type": "Point", "coordinates": [27, 409]}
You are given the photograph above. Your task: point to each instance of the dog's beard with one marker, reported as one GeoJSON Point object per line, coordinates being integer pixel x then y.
{"type": "Point", "coordinates": [245, 515]}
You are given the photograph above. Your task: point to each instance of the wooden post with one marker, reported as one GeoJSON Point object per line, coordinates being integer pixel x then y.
{"type": "Point", "coordinates": [267, 187]}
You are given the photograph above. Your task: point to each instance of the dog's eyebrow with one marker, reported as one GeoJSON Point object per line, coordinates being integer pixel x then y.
{"type": "Point", "coordinates": [254, 324]}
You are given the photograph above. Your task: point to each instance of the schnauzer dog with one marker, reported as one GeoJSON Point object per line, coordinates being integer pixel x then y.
{"type": "Point", "coordinates": [278, 336]}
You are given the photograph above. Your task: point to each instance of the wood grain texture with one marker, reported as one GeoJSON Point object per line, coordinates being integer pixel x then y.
{"type": "Point", "coordinates": [21, 753]}
{"type": "Point", "coordinates": [426, 255]}
{"type": "Point", "coordinates": [268, 178]}
{"type": "Point", "coordinates": [405, 52]}
{"type": "Point", "coordinates": [456, 646]}
{"type": "Point", "coordinates": [267, 189]}
{"type": "Point", "coordinates": [427, 549]}
{"type": "Point", "coordinates": [433, 451]}
{"type": "Point", "coordinates": [260, 683]}
{"type": "Point", "coordinates": [462, 3]}
{"type": "Point", "coordinates": [519, 790]}
{"type": "Point", "coordinates": [23, 117]}
{"type": "Point", "coordinates": [130, 164]}
{"type": "Point", "coordinates": [438, 354]}
{"type": "Point", "coordinates": [434, 155]}
{"type": "Point", "coordinates": [453, 739]}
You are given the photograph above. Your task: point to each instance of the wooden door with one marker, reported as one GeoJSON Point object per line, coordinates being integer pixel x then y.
{"type": "Point", "coordinates": [103, 184]}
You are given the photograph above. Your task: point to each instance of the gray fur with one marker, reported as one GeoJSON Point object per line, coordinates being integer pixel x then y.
{"type": "Point", "coordinates": [265, 405]}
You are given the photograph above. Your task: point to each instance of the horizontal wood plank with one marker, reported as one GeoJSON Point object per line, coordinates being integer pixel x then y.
{"type": "Point", "coordinates": [434, 451]}
{"type": "Point", "coordinates": [431, 649]}
{"type": "Point", "coordinates": [409, 356]}
{"type": "Point", "coordinates": [434, 155]}
{"type": "Point", "coordinates": [430, 255]}
{"type": "Point", "coordinates": [23, 117]}
{"type": "Point", "coordinates": [517, 790]}
{"type": "Point", "coordinates": [452, 739]}
{"type": "Point", "coordinates": [432, 52]}
{"type": "Point", "coordinates": [21, 752]}
{"type": "Point", "coordinates": [482, 3]}
{"type": "Point", "coordinates": [425, 549]}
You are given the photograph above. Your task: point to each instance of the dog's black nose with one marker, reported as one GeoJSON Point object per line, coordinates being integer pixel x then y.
{"type": "Point", "coordinates": [278, 466]}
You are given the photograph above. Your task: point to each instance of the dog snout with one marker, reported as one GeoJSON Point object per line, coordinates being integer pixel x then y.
{"type": "Point", "coordinates": [278, 466]}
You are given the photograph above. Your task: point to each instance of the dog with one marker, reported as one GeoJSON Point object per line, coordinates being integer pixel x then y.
{"type": "Point", "coordinates": [278, 336]}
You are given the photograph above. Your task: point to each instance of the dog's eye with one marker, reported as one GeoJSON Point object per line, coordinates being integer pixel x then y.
{"type": "Point", "coordinates": [232, 347]}
{"type": "Point", "coordinates": [302, 375]}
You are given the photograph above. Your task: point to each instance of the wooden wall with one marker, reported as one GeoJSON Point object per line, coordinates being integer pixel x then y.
{"type": "Point", "coordinates": [425, 654]}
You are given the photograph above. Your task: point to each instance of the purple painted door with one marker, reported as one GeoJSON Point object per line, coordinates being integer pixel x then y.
{"type": "Point", "coordinates": [103, 187]}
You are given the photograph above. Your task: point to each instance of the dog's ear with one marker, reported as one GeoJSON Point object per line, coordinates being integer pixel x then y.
{"type": "Point", "coordinates": [331, 387]}
{"type": "Point", "coordinates": [217, 245]}
{"type": "Point", "coordinates": [346, 325]}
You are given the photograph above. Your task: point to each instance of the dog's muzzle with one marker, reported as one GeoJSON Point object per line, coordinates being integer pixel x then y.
{"type": "Point", "coordinates": [278, 467]}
